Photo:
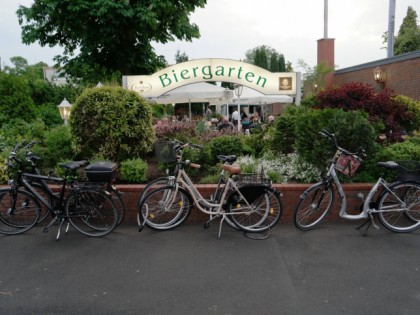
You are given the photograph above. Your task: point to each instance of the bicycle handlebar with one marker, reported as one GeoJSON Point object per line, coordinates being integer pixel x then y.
{"type": "Point", "coordinates": [325, 133]}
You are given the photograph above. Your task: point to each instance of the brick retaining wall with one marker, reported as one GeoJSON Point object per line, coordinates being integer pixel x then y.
{"type": "Point", "coordinates": [290, 196]}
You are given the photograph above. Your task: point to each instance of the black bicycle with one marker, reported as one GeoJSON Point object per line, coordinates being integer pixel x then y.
{"type": "Point", "coordinates": [89, 209]}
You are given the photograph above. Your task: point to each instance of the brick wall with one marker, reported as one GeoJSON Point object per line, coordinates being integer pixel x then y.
{"type": "Point", "coordinates": [290, 196]}
{"type": "Point", "coordinates": [402, 72]}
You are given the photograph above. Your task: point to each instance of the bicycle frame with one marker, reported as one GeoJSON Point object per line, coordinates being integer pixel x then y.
{"type": "Point", "coordinates": [367, 209]}
{"type": "Point", "coordinates": [202, 204]}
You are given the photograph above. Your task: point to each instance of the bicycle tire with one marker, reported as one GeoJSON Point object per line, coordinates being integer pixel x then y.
{"type": "Point", "coordinates": [154, 184]}
{"type": "Point", "coordinates": [119, 204]}
{"type": "Point", "coordinates": [266, 209]}
{"type": "Point", "coordinates": [25, 214]}
{"type": "Point", "coordinates": [91, 211]}
{"type": "Point", "coordinates": [404, 218]}
{"type": "Point", "coordinates": [160, 209]}
{"type": "Point", "coordinates": [314, 205]}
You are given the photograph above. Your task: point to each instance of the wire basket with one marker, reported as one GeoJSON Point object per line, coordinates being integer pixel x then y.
{"type": "Point", "coordinates": [252, 179]}
{"type": "Point", "coordinates": [165, 151]}
{"type": "Point", "coordinates": [348, 164]}
{"type": "Point", "coordinates": [408, 170]}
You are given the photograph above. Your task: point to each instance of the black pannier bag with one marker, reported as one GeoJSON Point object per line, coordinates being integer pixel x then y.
{"type": "Point", "coordinates": [101, 171]}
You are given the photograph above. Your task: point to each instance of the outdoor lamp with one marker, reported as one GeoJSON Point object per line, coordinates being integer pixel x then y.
{"type": "Point", "coordinates": [64, 109]}
{"type": "Point", "coordinates": [227, 93]}
{"type": "Point", "coordinates": [380, 76]}
{"type": "Point", "coordinates": [238, 92]}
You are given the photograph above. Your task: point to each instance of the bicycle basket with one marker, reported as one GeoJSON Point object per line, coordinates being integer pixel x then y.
{"type": "Point", "coordinates": [408, 170]}
{"type": "Point", "coordinates": [251, 179]}
{"type": "Point", "coordinates": [348, 164]}
{"type": "Point", "coordinates": [165, 151]}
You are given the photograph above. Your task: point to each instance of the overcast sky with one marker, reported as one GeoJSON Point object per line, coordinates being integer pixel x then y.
{"type": "Point", "coordinates": [231, 27]}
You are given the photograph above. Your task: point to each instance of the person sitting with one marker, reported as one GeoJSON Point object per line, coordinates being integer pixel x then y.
{"type": "Point", "coordinates": [225, 124]}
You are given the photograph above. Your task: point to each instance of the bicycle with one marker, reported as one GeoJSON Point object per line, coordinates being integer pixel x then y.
{"type": "Point", "coordinates": [397, 206]}
{"type": "Point", "coordinates": [253, 206]}
{"type": "Point", "coordinates": [103, 181]}
{"type": "Point", "coordinates": [88, 209]}
{"type": "Point", "coordinates": [169, 180]}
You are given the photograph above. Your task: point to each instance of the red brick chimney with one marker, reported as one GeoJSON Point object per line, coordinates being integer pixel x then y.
{"type": "Point", "coordinates": [326, 55]}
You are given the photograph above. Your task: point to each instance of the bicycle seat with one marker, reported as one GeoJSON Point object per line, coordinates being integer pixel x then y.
{"type": "Point", "coordinates": [389, 165]}
{"type": "Point", "coordinates": [232, 169]}
{"type": "Point", "coordinates": [227, 158]}
{"type": "Point", "coordinates": [74, 165]}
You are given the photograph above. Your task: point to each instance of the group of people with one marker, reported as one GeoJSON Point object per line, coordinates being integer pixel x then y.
{"type": "Point", "coordinates": [247, 123]}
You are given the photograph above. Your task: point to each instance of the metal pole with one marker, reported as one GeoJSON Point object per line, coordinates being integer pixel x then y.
{"type": "Point", "coordinates": [391, 26]}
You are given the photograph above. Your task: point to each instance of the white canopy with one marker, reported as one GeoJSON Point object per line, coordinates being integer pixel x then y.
{"type": "Point", "coordinates": [192, 93]}
{"type": "Point", "coordinates": [252, 97]}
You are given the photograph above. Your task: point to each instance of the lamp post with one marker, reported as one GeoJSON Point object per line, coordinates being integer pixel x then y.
{"type": "Point", "coordinates": [227, 93]}
{"type": "Point", "coordinates": [64, 109]}
{"type": "Point", "coordinates": [238, 92]}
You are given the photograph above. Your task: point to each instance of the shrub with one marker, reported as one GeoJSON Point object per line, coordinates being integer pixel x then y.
{"type": "Point", "coordinates": [58, 146]}
{"type": "Point", "coordinates": [352, 130]}
{"type": "Point", "coordinates": [226, 145]}
{"type": "Point", "coordinates": [133, 170]}
{"type": "Point", "coordinates": [113, 122]}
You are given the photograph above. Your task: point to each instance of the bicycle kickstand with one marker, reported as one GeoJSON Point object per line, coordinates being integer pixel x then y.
{"type": "Point", "coordinates": [369, 221]}
{"type": "Point", "coordinates": [220, 225]}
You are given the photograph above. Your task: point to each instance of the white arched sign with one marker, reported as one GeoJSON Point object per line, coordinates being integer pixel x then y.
{"type": "Point", "coordinates": [208, 70]}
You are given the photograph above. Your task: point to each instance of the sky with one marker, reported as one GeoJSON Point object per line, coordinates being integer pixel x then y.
{"type": "Point", "coordinates": [229, 28]}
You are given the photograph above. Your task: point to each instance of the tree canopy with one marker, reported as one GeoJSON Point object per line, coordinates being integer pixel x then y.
{"type": "Point", "coordinates": [103, 39]}
{"type": "Point", "coordinates": [408, 38]}
{"type": "Point", "coordinates": [267, 58]}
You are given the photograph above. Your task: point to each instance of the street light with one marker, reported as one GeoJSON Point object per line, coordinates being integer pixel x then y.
{"type": "Point", "coordinates": [227, 93]}
{"type": "Point", "coordinates": [64, 109]}
{"type": "Point", "coordinates": [238, 92]}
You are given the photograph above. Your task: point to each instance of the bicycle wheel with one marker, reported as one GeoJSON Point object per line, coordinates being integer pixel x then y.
{"type": "Point", "coordinates": [19, 211]}
{"type": "Point", "coordinates": [92, 212]}
{"type": "Point", "coordinates": [399, 208]}
{"type": "Point", "coordinates": [119, 204]}
{"type": "Point", "coordinates": [314, 204]}
{"type": "Point", "coordinates": [154, 184]}
{"type": "Point", "coordinates": [164, 208]}
{"type": "Point", "coordinates": [263, 212]}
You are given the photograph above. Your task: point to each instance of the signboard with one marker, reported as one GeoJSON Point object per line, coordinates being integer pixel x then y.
{"type": "Point", "coordinates": [221, 70]}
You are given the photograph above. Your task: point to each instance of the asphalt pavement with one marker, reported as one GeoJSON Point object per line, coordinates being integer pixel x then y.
{"type": "Point", "coordinates": [189, 270]}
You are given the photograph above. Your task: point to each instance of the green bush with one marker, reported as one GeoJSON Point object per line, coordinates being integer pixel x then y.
{"type": "Point", "coordinates": [3, 170]}
{"type": "Point", "coordinates": [58, 146]}
{"type": "Point", "coordinates": [351, 128]}
{"type": "Point", "coordinates": [134, 170]}
{"type": "Point", "coordinates": [226, 145]}
{"type": "Point", "coordinates": [112, 121]}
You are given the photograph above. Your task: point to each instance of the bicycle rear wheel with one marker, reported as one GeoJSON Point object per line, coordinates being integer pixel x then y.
{"type": "Point", "coordinates": [92, 212]}
{"type": "Point", "coordinates": [164, 208]}
{"type": "Point", "coordinates": [19, 211]}
{"type": "Point", "coordinates": [314, 205]}
{"type": "Point", "coordinates": [399, 208]}
{"type": "Point", "coordinates": [263, 212]}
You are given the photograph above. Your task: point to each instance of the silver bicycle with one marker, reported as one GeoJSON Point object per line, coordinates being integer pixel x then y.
{"type": "Point", "coordinates": [247, 200]}
{"type": "Point", "coordinates": [397, 207]}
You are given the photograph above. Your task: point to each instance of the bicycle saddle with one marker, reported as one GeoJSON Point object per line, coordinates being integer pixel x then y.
{"type": "Point", "coordinates": [227, 158]}
{"type": "Point", "coordinates": [232, 169]}
{"type": "Point", "coordinates": [389, 165]}
{"type": "Point", "coordinates": [73, 165]}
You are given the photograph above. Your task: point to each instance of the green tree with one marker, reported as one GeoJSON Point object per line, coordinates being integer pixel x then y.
{"type": "Point", "coordinates": [408, 38]}
{"type": "Point", "coordinates": [113, 123]}
{"type": "Point", "coordinates": [107, 38]}
{"type": "Point", "coordinates": [268, 58]}
{"type": "Point", "coordinates": [15, 99]}
{"type": "Point", "coordinates": [180, 57]}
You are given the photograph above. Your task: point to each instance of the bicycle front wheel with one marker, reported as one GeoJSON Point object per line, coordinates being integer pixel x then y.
{"type": "Point", "coordinates": [164, 208]}
{"type": "Point", "coordinates": [314, 205]}
{"type": "Point", "coordinates": [399, 208]}
{"type": "Point", "coordinates": [19, 211]}
{"type": "Point", "coordinates": [263, 212]}
{"type": "Point", "coordinates": [92, 212]}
